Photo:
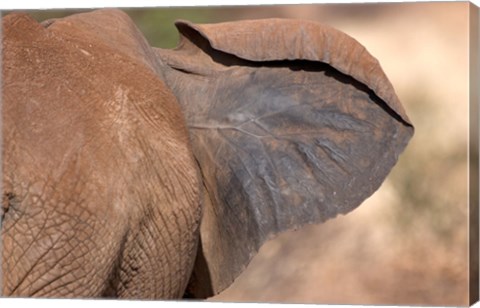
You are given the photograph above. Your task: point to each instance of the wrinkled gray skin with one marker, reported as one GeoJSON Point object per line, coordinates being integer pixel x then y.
{"type": "Point", "coordinates": [136, 172]}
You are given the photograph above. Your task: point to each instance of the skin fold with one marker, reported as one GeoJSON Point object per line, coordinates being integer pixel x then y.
{"type": "Point", "coordinates": [136, 172]}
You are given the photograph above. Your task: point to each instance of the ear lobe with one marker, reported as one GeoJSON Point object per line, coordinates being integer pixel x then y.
{"type": "Point", "coordinates": [291, 123]}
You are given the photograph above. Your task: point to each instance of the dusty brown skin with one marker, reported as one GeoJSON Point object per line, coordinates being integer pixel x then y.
{"type": "Point", "coordinates": [104, 188]}
{"type": "Point", "coordinates": [98, 175]}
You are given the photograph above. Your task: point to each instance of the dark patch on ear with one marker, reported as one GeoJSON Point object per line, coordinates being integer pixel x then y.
{"type": "Point", "coordinates": [339, 76]}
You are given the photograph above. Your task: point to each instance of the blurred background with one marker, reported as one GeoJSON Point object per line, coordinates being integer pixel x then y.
{"type": "Point", "coordinates": [408, 243]}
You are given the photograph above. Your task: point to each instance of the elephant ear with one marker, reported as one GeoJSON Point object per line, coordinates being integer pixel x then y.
{"type": "Point", "coordinates": [291, 123]}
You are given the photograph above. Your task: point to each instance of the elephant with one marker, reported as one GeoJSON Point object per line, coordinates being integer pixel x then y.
{"type": "Point", "coordinates": [131, 171]}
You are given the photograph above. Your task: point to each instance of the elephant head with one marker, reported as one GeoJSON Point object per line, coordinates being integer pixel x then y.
{"type": "Point", "coordinates": [139, 172]}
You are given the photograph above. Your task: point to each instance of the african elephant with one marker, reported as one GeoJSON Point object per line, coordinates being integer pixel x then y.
{"type": "Point", "coordinates": [132, 171]}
